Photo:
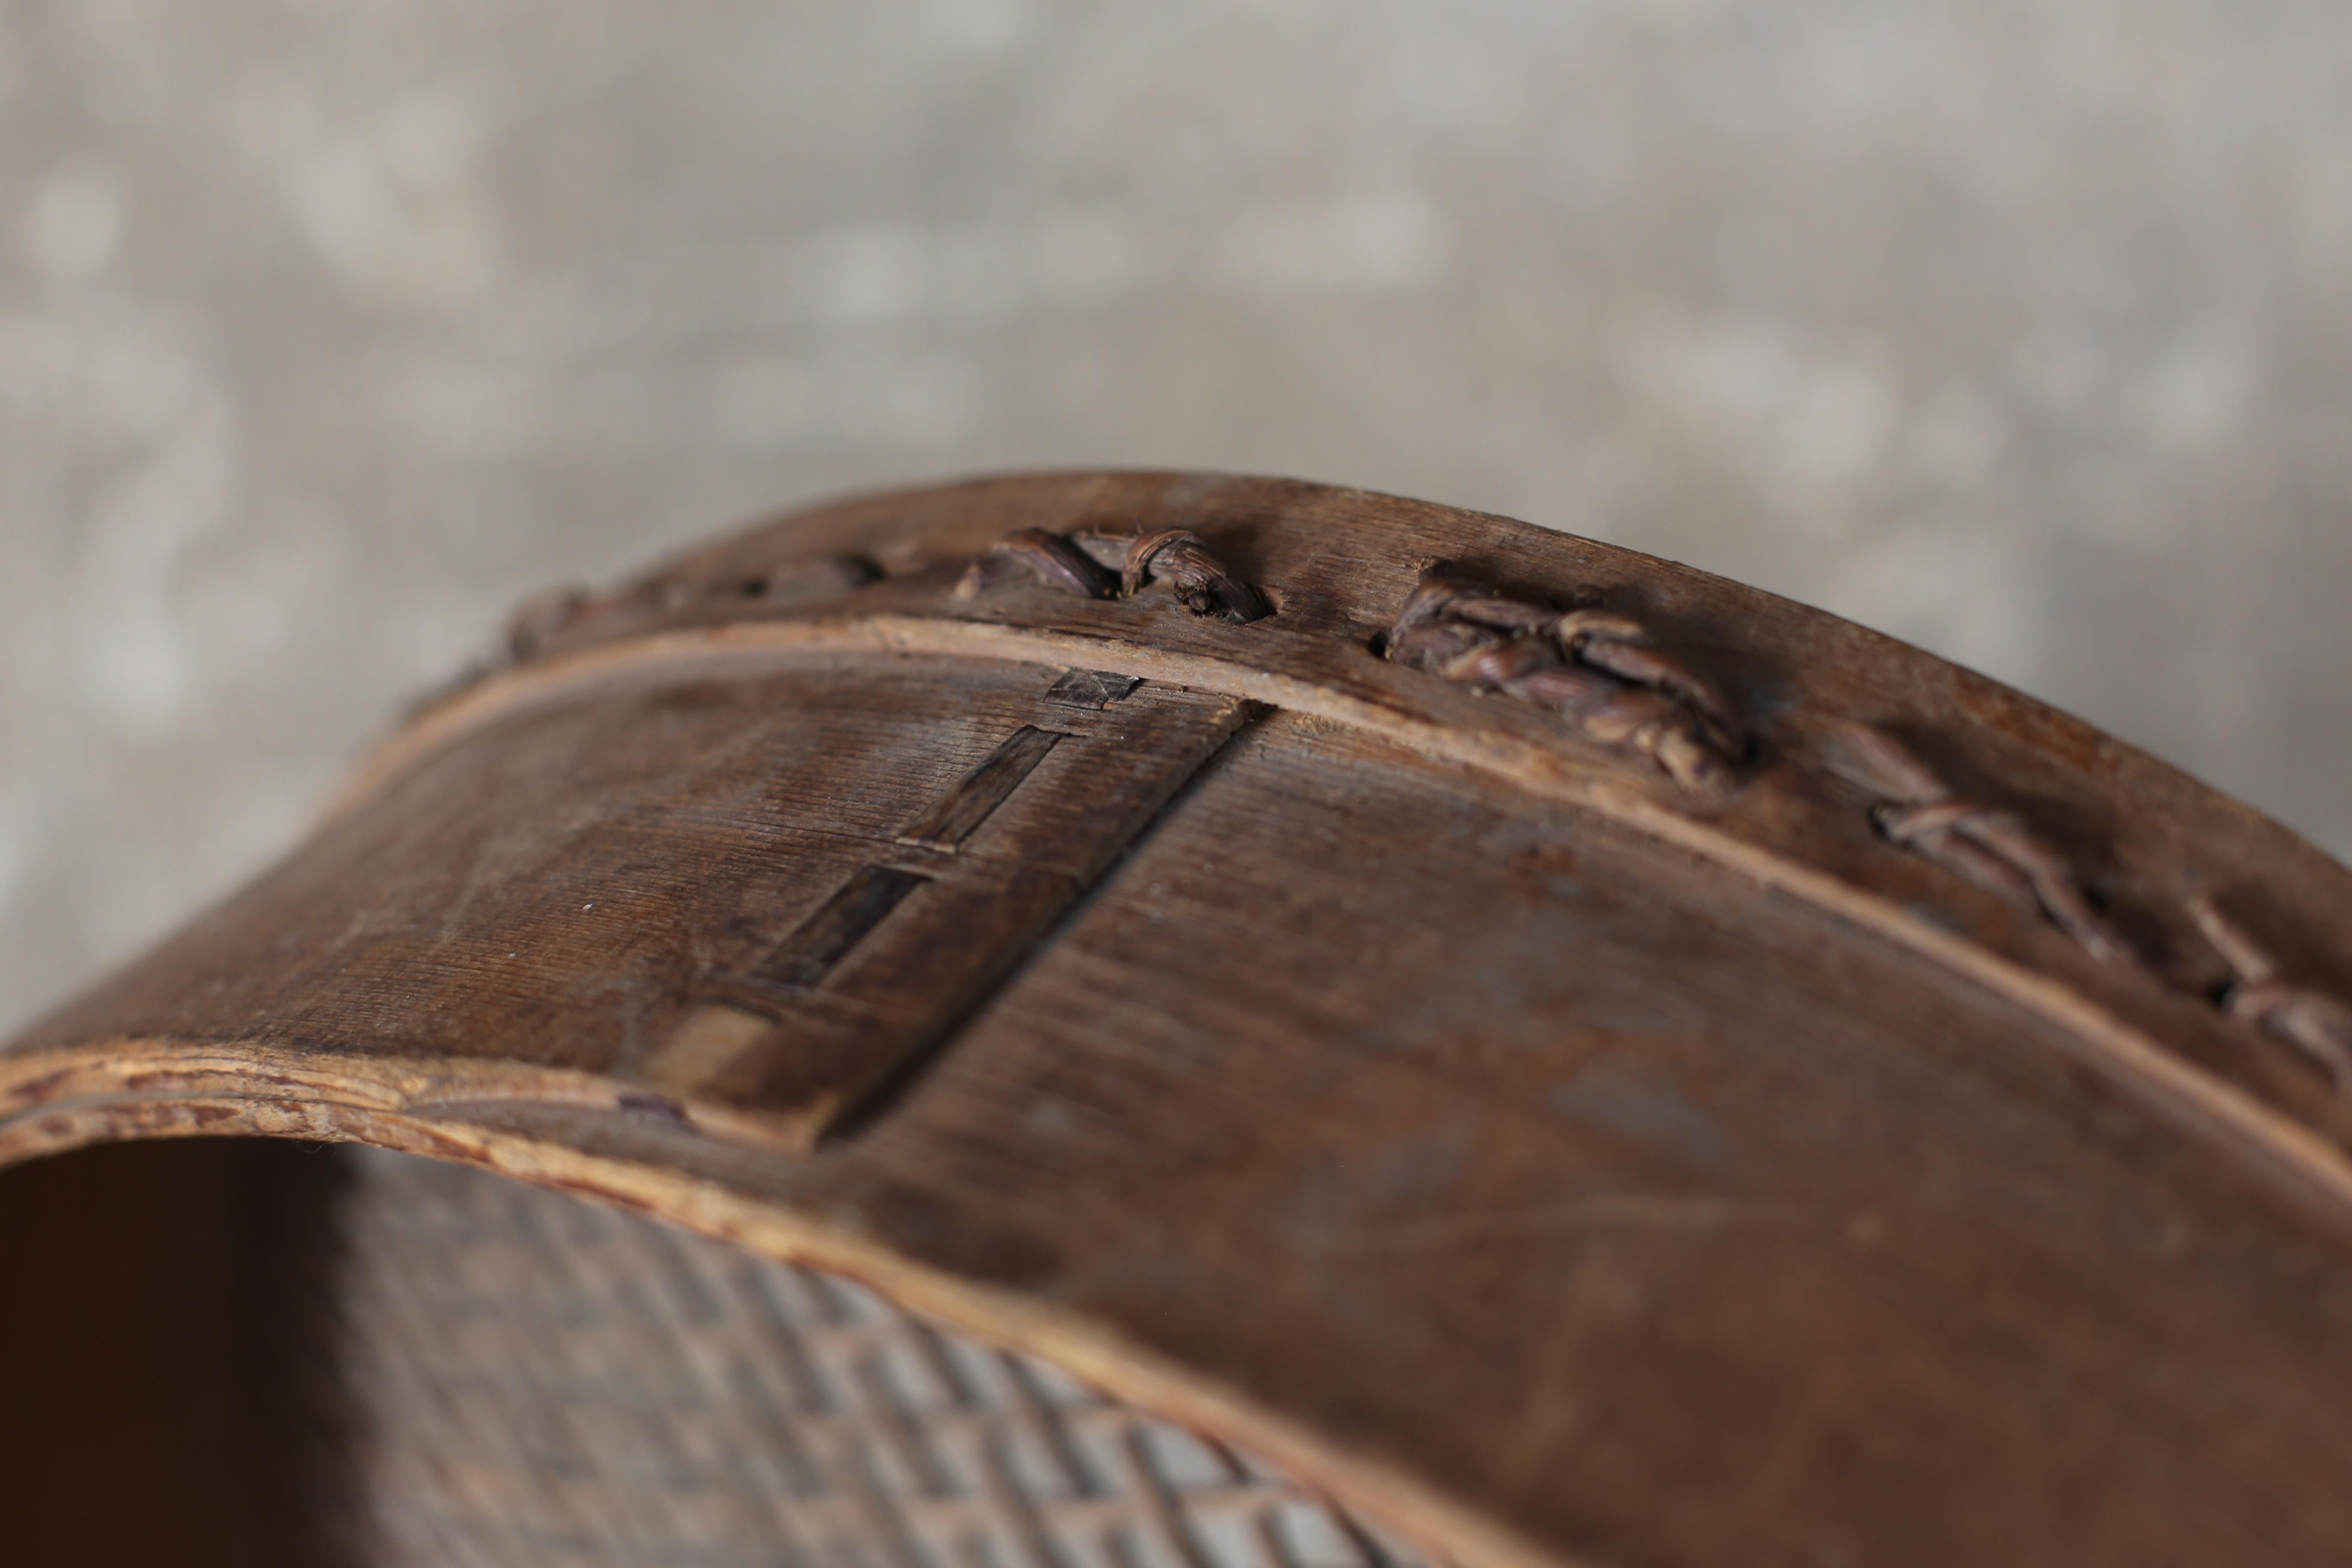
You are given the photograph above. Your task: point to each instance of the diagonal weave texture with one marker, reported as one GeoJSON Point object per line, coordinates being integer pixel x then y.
{"type": "Point", "coordinates": [543, 1382]}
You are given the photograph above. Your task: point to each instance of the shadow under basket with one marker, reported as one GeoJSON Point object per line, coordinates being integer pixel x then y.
{"type": "Point", "coordinates": [260, 1353]}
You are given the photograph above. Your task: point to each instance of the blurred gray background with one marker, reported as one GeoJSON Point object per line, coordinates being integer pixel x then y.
{"type": "Point", "coordinates": [328, 327]}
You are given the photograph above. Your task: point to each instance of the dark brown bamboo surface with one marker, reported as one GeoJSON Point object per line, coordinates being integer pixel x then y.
{"type": "Point", "coordinates": [1588, 1062]}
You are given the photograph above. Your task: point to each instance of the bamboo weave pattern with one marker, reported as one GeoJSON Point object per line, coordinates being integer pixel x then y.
{"type": "Point", "coordinates": [550, 1383]}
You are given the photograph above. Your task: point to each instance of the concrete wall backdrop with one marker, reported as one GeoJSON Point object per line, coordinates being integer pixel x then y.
{"type": "Point", "coordinates": [327, 326]}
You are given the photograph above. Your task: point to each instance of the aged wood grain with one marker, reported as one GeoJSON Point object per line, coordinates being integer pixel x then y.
{"type": "Point", "coordinates": [1762, 1171]}
{"type": "Point", "coordinates": [778, 951]}
{"type": "Point", "coordinates": [1343, 563]}
{"type": "Point", "coordinates": [951, 818]}
{"type": "Point", "coordinates": [1635, 1121]}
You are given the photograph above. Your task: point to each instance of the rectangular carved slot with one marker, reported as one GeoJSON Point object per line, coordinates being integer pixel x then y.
{"type": "Point", "coordinates": [843, 921]}
{"type": "Point", "coordinates": [952, 819]}
{"type": "Point", "coordinates": [1094, 689]}
{"type": "Point", "coordinates": [787, 1043]}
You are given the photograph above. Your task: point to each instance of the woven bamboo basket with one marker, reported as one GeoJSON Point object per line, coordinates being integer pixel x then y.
{"type": "Point", "coordinates": [1176, 1021]}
